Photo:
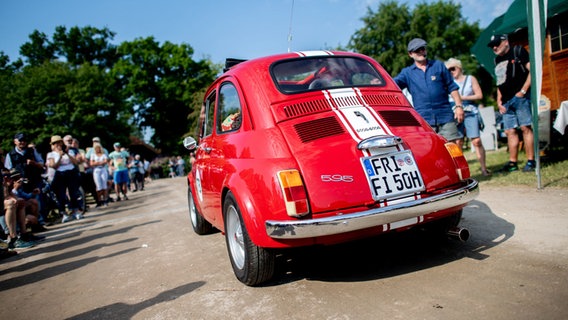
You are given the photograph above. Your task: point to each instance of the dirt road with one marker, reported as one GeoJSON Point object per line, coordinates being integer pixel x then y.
{"type": "Point", "coordinates": [139, 259]}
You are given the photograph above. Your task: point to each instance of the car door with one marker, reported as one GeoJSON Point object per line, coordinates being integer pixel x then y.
{"type": "Point", "coordinates": [228, 121]}
{"type": "Point", "coordinates": [203, 157]}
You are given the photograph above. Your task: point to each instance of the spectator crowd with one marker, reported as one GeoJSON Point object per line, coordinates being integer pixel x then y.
{"type": "Point", "coordinates": [37, 193]}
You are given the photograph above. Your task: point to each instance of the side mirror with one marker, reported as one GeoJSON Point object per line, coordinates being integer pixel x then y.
{"type": "Point", "coordinates": [189, 143]}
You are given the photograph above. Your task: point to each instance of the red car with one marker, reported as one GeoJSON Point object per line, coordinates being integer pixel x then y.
{"type": "Point", "coordinates": [313, 148]}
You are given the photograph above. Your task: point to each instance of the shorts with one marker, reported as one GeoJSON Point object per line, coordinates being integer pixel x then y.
{"type": "Point", "coordinates": [121, 176]}
{"type": "Point", "coordinates": [100, 176]}
{"type": "Point", "coordinates": [448, 130]}
{"type": "Point", "coordinates": [470, 125]}
{"type": "Point", "coordinates": [518, 113]}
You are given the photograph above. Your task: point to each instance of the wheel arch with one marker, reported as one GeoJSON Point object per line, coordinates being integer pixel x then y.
{"type": "Point", "coordinates": [252, 218]}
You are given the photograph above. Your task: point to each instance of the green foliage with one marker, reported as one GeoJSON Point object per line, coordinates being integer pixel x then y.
{"type": "Point", "coordinates": [384, 36]}
{"type": "Point", "coordinates": [38, 50]}
{"type": "Point", "coordinates": [554, 169]}
{"type": "Point", "coordinates": [54, 98]}
{"type": "Point", "coordinates": [387, 31]}
{"type": "Point", "coordinates": [86, 45]}
{"type": "Point", "coordinates": [160, 82]}
{"type": "Point", "coordinates": [79, 83]}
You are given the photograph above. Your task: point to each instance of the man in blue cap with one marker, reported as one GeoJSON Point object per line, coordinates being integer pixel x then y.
{"type": "Point", "coordinates": [429, 82]}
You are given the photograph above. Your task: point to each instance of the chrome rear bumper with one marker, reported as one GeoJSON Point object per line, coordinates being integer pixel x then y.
{"type": "Point", "coordinates": [341, 223]}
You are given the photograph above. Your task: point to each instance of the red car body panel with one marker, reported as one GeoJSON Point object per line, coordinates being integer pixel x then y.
{"type": "Point", "coordinates": [317, 133]}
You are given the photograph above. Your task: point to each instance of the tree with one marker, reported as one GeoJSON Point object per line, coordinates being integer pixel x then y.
{"type": "Point", "coordinates": [38, 50]}
{"type": "Point", "coordinates": [86, 45]}
{"type": "Point", "coordinates": [79, 83]}
{"type": "Point", "coordinates": [387, 32]}
{"type": "Point", "coordinates": [76, 96]}
{"type": "Point", "coordinates": [384, 35]}
{"type": "Point", "coordinates": [55, 98]}
{"type": "Point", "coordinates": [160, 81]}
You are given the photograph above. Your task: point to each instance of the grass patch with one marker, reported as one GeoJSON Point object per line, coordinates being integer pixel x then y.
{"type": "Point", "coordinates": [553, 169]}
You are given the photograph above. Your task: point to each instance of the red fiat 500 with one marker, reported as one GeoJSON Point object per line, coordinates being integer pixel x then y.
{"type": "Point", "coordinates": [313, 148]}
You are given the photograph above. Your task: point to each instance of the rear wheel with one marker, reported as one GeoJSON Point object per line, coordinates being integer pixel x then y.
{"type": "Point", "coordinates": [199, 224]}
{"type": "Point", "coordinates": [252, 265]}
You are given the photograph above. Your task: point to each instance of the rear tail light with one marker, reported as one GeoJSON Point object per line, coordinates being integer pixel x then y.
{"type": "Point", "coordinates": [462, 168]}
{"type": "Point", "coordinates": [294, 192]}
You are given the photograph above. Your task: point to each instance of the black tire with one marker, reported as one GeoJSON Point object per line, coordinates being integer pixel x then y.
{"type": "Point", "coordinates": [251, 264]}
{"type": "Point", "coordinates": [199, 224]}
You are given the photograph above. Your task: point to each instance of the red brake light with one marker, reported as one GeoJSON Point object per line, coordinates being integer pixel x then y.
{"type": "Point", "coordinates": [462, 168]}
{"type": "Point", "coordinates": [296, 199]}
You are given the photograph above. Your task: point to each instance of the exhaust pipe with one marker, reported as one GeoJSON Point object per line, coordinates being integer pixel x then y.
{"type": "Point", "coordinates": [461, 234]}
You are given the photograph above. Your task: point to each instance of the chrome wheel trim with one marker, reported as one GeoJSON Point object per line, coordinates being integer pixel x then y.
{"type": "Point", "coordinates": [192, 211]}
{"type": "Point", "coordinates": [235, 237]}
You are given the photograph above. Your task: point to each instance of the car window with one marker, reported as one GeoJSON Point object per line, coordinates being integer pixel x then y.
{"type": "Point", "coordinates": [229, 108]}
{"type": "Point", "coordinates": [318, 73]}
{"type": "Point", "coordinates": [207, 112]}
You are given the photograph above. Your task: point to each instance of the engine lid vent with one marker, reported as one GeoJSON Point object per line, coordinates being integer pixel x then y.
{"type": "Point", "coordinates": [397, 118]}
{"type": "Point", "coordinates": [318, 128]}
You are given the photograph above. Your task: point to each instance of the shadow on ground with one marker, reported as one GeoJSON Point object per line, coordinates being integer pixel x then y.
{"type": "Point", "coordinates": [395, 253]}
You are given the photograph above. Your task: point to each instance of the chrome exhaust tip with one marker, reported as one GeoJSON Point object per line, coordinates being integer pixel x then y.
{"type": "Point", "coordinates": [461, 234]}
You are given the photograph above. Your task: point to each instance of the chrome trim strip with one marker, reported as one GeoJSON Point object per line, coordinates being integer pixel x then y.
{"type": "Point", "coordinates": [382, 141]}
{"type": "Point", "coordinates": [300, 229]}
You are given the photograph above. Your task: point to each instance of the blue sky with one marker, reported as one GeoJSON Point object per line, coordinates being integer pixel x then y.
{"type": "Point", "coordinates": [216, 29]}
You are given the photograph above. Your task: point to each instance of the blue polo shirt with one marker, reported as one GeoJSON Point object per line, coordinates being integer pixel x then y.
{"type": "Point", "coordinates": [429, 91]}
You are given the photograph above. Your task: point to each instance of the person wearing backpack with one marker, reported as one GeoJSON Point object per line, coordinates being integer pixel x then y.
{"type": "Point", "coordinates": [512, 71]}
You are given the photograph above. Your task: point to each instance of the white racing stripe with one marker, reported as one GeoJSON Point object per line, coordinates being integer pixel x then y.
{"type": "Point", "coordinates": [362, 122]}
{"type": "Point", "coordinates": [314, 53]}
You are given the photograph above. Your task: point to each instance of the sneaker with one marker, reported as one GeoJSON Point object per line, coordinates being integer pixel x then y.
{"type": "Point", "coordinates": [66, 218]}
{"type": "Point", "coordinates": [117, 199]}
{"type": "Point", "coordinates": [530, 166]}
{"type": "Point", "coordinates": [125, 197]}
{"type": "Point", "coordinates": [21, 244]}
{"type": "Point", "coordinates": [78, 215]}
{"type": "Point", "coordinates": [509, 167]}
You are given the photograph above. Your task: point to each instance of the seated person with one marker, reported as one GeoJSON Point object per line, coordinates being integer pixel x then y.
{"type": "Point", "coordinates": [31, 204]}
{"type": "Point", "coordinates": [14, 215]}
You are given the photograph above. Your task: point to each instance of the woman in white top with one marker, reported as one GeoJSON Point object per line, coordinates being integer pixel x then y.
{"type": "Point", "coordinates": [66, 179]}
{"type": "Point", "coordinates": [98, 162]}
{"type": "Point", "coordinates": [470, 91]}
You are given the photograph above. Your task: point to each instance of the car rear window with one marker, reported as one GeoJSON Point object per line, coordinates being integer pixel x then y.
{"type": "Point", "coordinates": [318, 73]}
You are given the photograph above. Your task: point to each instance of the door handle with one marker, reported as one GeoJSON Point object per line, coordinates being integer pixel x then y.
{"type": "Point", "coordinates": [207, 150]}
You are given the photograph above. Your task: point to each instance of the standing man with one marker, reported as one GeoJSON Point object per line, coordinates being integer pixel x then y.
{"type": "Point", "coordinates": [512, 71]}
{"type": "Point", "coordinates": [119, 163]}
{"type": "Point", "coordinates": [27, 161]}
{"type": "Point", "coordinates": [429, 82]}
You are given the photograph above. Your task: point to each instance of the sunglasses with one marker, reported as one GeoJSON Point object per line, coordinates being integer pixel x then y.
{"type": "Point", "coordinates": [452, 69]}
{"type": "Point", "coordinates": [420, 49]}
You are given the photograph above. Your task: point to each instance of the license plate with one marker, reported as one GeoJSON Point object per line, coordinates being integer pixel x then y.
{"type": "Point", "coordinates": [392, 175]}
